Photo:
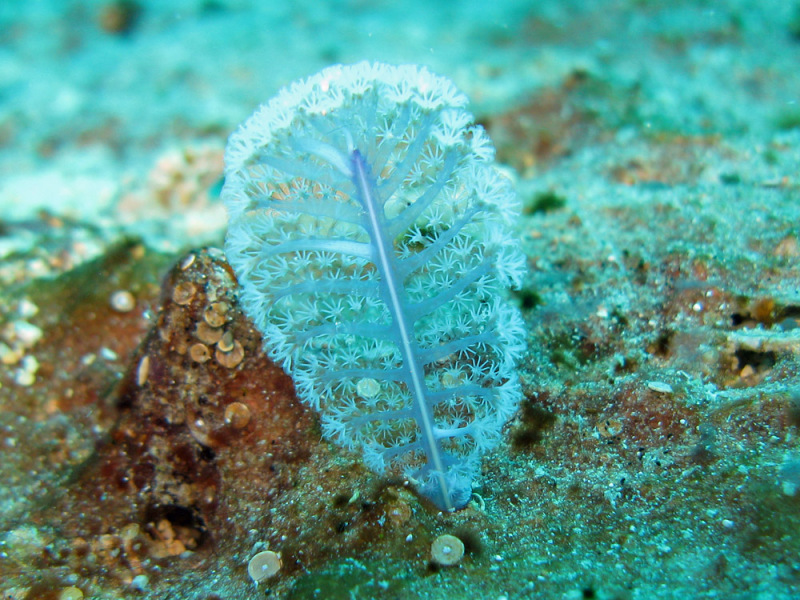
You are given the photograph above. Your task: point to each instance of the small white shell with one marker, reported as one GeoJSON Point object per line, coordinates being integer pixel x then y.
{"type": "Point", "coordinates": [447, 550]}
{"type": "Point", "coordinates": [264, 565]}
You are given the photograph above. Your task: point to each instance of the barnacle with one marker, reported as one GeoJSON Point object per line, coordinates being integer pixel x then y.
{"type": "Point", "coordinates": [264, 565]}
{"type": "Point", "coordinates": [447, 550]}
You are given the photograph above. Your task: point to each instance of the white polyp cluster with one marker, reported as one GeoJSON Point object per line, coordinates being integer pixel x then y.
{"type": "Point", "coordinates": [370, 232]}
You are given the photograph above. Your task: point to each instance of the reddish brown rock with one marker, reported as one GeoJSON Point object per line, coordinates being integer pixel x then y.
{"type": "Point", "coordinates": [181, 466]}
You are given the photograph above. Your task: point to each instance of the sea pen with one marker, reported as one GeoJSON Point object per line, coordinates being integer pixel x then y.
{"type": "Point", "coordinates": [371, 234]}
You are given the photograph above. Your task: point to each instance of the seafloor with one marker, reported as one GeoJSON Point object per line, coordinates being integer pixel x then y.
{"type": "Point", "coordinates": [150, 449]}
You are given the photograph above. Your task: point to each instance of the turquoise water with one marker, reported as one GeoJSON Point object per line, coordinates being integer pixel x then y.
{"type": "Point", "coordinates": [655, 148]}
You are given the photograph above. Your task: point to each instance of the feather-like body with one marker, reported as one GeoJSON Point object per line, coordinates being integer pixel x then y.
{"type": "Point", "coordinates": [370, 231]}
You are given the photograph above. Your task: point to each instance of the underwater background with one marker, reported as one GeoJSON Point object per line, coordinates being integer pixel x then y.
{"type": "Point", "coordinates": [150, 449]}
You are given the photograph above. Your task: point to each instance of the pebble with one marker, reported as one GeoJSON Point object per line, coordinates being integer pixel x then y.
{"type": "Point", "coordinates": [26, 334]}
{"type": "Point", "coordinates": [26, 374]}
{"type": "Point", "coordinates": [660, 387]}
{"type": "Point", "coordinates": [27, 309]}
{"type": "Point", "coordinates": [188, 262]}
{"type": "Point", "coordinates": [70, 593]}
{"type": "Point", "coordinates": [143, 371]}
{"type": "Point", "coordinates": [123, 301]}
